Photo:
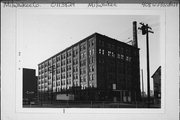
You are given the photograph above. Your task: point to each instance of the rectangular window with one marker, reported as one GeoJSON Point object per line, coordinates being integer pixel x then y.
{"type": "Point", "coordinates": [84, 70]}
{"type": "Point", "coordinates": [91, 68]}
{"type": "Point", "coordinates": [127, 58]}
{"type": "Point", "coordinates": [63, 82]}
{"type": "Point", "coordinates": [81, 72]}
{"type": "Point", "coordinates": [84, 79]}
{"type": "Point", "coordinates": [113, 54]}
{"type": "Point", "coordinates": [92, 76]}
{"type": "Point", "coordinates": [83, 63]}
{"type": "Point", "coordinates": [103, 52]}
{"type": "Point", "coordinates": [118, 56]}
{"type": "Point", "coordinates": [109, 53]}
{"type": "Point", "coordinates": [84, 54]}
{"type": "Point", "coordinates": [81, 79]}
{"type": "Point", "coordinates": [91, 42]}
{"type": "Point", "coordinates": [89, 52]}
{"type": "Point", "coordinates": [122, 57]}
{"type": "Point", "coordinates": [92, 51]}
{"type": "Point", "coordinates": [101, 43]}
{"type": "Point", "coordinates": [91, 60]}
{"type": "Point", "coordinates": [83, 47]}
{"type": "Point", "coordinates": [99, 51]}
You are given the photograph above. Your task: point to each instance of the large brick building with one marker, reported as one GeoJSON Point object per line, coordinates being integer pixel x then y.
{"type": "Point", "coordinates": [97, 68]}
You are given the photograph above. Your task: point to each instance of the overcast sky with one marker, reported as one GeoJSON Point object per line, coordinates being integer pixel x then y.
{"type": "Point", "coordinates": [42, 36]}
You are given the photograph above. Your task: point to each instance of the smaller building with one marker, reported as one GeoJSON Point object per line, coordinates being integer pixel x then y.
{"type": "Point", "coordinates": [29, 86]}
{"type": "Point", "coordinates": [157, 85]}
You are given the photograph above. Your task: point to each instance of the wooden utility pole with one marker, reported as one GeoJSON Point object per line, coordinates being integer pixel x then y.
{"type": "Point", "coordinates": [145, 31]}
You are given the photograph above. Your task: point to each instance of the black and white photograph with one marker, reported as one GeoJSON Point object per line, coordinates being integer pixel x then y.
{"type": "Point", "coordinates": [67, 60]}
{"type": "Point", "coordinates": [91, 61]}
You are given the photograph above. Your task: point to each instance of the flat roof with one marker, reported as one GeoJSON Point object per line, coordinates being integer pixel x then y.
{"type": "Point", "coordinates": [83, 40]}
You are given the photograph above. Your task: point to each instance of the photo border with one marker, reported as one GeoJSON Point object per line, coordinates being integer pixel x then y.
{"type": "Point", "coordinates": [89, 12]}
{"type": "Point", "coordinates": [13, 112]}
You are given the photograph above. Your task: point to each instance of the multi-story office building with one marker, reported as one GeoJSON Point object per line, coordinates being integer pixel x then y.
{"type": "Point", "coordinates": [98, 66]}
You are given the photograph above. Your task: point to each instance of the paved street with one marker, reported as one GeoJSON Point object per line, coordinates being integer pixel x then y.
{"type": "Point", "coordinates": [90, 104]}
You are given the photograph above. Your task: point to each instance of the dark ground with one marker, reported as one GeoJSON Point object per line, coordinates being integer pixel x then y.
{"type": "Point", "coordinates": [90, 104]}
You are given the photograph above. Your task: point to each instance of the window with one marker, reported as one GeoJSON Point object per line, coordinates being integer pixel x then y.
{"type": "Point", "coordinates": [75, 83]}
{"type": "Point", "coordinates": [58, 77]}
{"type": "Point", "coordinates": [63, 56]}
{"type": "Point", "coordinates": [122, 50]}
{"type": "Point", "coordinates": [83, 70]}
{"type": "Point", "coordinates": [91, 68]}
{"type": "Point", "coordinates": [69, 81]}
{"type": "Point", "coordinates": [49, 63]}
{"type": "Point", "coordinates": [75, 76]}
{"type": "Point", "coordinates": [54, 84]}
{"type": "Point", "coordinates": [109, 53]}
{"type": "Point", "coordinates": [122, 57]}
{"type": "Point", "coordinates": [58, 64]}
{"type": "Point", "coordinates": [69, 74]}
{"type": "Point", "coordinates": [101, 42]}
{"type": "Point", "coordinates": [39, 82]}
{"type": "Point", "coordinates": [63, 76]}
{"type": "Point", "coordinates": [54, 60]}
{"type": "Point", "coordinates": [58, 83]}
{"type": "Point", "coordinates": [92, 76]}
{"type": "Point", "coordinates": [83, 47]}
{"type": "Point", "coordinates": [63, 82]}
{"type": "Point", "coordinates": [127, 58]}
{"type": "Point", "coordinates": [58, 58]}
{"type": "Point", "coordinates": [90, 52]}
{"type": "Point", "coordinates": [63, 62]}
{"type": "Point", "coordinates": [68, 67]}
{"type": "Point", "coordinates": [68, 61]}
{"type": "Point", "coordinates": [113, 54]}
{"type": "Point", "coordinates": [68, 53]}
{"type": "Point", "coordinates": [84, 78]}
{"type": "Point", "coordinates": [81, 55]}
{"type": "Point", "coordinates": [75, 61]}
{"type": "Point", "coordinates": [99, 51]}
{"type": "Point", "coordinates": [49, 77]}
{"type": "Point", "coordinates": [92, 42]}
{"type": "Point", "coordinates": [130, 59]}
{"type": "Point", "coordinates": [102, 51]}
{"type": "Point", "coordinates": [84, 54]}
{"type": "Point", "coordinates": [83, 63]}
{"type": "Point", "coordinates": [75, 69]}
{"type": "Point", "coordinates": [91, 60]}
{"type": "Point", "coordinates": [118, 56]}
{"type": "Point", "coordinates": [113, 47]}
{"type": "Point", "coordinates": [63, 69]}
{"type": "Point", "coordinates": [82, 86]}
